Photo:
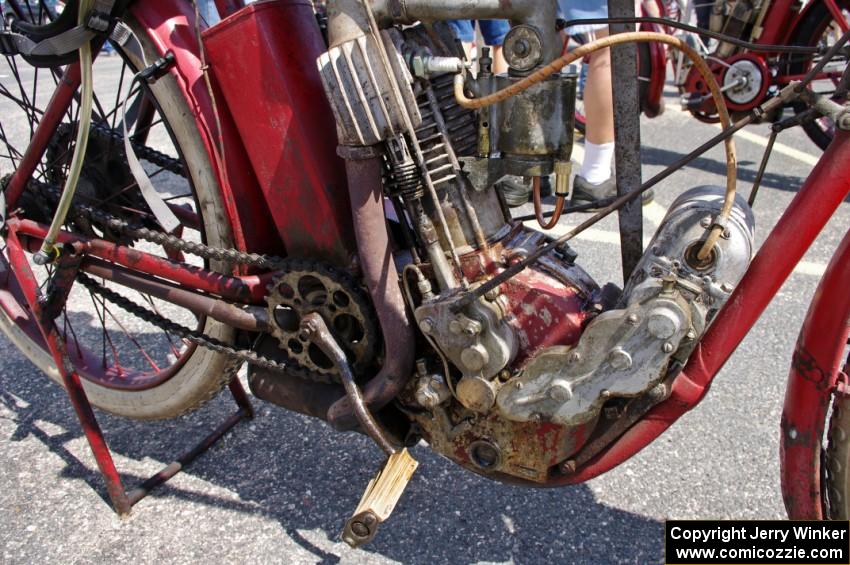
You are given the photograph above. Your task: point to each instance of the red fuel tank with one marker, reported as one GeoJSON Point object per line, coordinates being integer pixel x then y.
{"type": "Point", "coordinates": [263, 59]}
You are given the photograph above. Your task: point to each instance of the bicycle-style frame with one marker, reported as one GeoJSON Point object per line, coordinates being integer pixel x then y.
{"type": "Point", "coordinates": [816, 366]}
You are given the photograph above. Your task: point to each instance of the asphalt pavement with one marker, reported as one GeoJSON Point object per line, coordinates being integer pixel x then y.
{"type": "Point", "coordinates": [278, 489]}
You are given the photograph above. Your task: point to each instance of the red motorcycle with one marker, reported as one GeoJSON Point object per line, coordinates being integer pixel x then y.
{"type": "Point", "coordinates": [748, 70]}
{"type": "Point", "coordinates": [311, 194]}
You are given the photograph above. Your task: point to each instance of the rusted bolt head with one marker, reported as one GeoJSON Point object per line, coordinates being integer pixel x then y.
{"type": "Point", "coordinates": [360, 529]}
{"type": "Point", "coordinates": [574, 357]}
{"type": "Point", "coordinates": [568, 467]}
{"type": "Point", "coordinates": [521, 48]}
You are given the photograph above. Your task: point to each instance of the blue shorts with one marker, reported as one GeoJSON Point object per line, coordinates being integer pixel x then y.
{"type": "Point", "coordinates": [494, 31]}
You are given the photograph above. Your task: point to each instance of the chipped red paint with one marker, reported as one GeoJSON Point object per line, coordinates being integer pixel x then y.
{"type": "Point", "coordinates": [171, 27]}
{"type": "Point", "coordinates": [268, 53]}
{"type": "Point", "coordinates": [544, 311]}
{"type": "Point", "coordinates": [247, 289]}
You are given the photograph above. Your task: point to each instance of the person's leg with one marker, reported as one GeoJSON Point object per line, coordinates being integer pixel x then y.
{"type": "Point", "coordinates": [494, 33]}
{"type": "Point", "coordinates": [598, 111]}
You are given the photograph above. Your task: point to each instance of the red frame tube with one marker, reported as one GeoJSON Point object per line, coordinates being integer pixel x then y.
{"type": "Point", "coordinates": [826, 187]}
{"type": "Point", "coordinates": [249, 289]}
{"type": "Point", "coordinates": [818, 358]}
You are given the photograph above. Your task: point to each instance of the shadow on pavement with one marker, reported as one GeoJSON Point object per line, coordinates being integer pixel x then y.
{"type": "Point", "coordinates": [299, 473]}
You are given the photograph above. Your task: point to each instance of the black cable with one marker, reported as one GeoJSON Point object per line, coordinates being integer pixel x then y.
{"type": "Point", "coordinates": [756, 47]}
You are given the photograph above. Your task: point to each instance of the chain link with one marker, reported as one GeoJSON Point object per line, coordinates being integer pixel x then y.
{"type": "Point", "coordinates": [178, 330]}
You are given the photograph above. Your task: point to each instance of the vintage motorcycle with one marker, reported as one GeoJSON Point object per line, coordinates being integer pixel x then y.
{"type": "Point", "coordinates": [747, 69]}
{"type": "Point", "coordinates": [311, 193]}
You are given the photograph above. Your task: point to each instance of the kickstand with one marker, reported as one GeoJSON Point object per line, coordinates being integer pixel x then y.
{"type": "Point", "coordinates": [43, 308]}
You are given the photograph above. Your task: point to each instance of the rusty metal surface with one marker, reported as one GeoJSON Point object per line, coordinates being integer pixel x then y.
{"type": "Point", "coordinates": [381, 278]}
{"type": "Point", "coordinates": [315, 329]}
{"type": "Point", "coordinates": [249, 318]}
{"type": "Point", "coordinates": [499, 449]}
{"type": "Point", "coordinates": [291, 391]}
{"type": "Point", "coordinates": [627, 136]}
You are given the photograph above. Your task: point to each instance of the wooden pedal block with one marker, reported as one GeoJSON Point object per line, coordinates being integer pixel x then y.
{"type": "Point", "coordinates": [380, 499]}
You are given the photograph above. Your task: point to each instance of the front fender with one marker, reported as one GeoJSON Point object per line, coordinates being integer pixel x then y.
{"type": "Point", "coordinates": [818, 357]}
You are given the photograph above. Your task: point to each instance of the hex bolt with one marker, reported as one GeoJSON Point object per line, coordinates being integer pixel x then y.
{"type": "Point", "coordinates": [473, 327]}
{"type": "Point", "coordinates": [426, 325]}
{"type": "Point", "coordinates": [568, 467]}
{"type": "Point", "coordinates": [667, 347]}
{"type": "Point", "coordinates": [493, 294]}
{"type": "Point", "coordinates": [632, 320]}
{"type": "Point", "coordinates": [574, 357]}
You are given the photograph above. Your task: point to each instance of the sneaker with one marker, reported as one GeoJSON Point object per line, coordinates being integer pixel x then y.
{"type": "Point", "coordinates": [588, 193]}
{"type": "Point", "coordinates": [517, 192]}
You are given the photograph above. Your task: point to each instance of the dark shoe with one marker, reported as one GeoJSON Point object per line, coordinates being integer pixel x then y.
{"type": "Point", "coordinates": [515, 192]}
{"type": "Point", "coordinates": [586, 193]}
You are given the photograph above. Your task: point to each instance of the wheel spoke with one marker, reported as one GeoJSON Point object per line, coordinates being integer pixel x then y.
{"type": "Point", "coordinates": [102, 340]}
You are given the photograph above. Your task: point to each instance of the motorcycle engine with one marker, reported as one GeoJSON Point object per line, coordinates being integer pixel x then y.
{"type": "Point", "coordinates": [515, 384]}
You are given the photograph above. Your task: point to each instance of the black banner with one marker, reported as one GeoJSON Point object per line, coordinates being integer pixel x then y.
{"type": "Point", "coordinates": [760, 542]}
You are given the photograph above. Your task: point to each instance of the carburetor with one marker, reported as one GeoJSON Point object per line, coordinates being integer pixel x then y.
{"type": "Point", "coordinates": [531, 133]}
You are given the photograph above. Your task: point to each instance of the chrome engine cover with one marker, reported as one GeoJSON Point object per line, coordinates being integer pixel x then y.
{"type": "Point", "coordinates": [666, 306]}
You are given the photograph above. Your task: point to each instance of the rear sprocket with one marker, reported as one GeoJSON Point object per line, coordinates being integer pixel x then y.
{"type": "Point", "coordinates": [304, 287]}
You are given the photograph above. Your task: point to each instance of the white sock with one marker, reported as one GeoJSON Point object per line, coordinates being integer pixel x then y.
{"type": "Point", "coordinates": [596, 167]}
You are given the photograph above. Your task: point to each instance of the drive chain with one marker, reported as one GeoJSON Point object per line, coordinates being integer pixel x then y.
{"type": "Point", "coordinates": [190, 335]}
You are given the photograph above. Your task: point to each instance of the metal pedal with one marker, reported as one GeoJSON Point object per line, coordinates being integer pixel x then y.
{"type": "Point", "coordinates": [380, 499]}
{"type": "Point", "coordinates": [385, 490]}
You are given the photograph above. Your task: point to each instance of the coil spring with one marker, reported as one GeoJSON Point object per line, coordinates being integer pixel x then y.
{"type": "Point", "coordinates": [405, 180]}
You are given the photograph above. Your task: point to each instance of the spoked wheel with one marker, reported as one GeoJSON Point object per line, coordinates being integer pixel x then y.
{"type": "Point", "coordinates": [130, 366]}
{"type": "Point", "coordinates": [837, 455]}
{"type": "Point", "coordinates": [820, 29]}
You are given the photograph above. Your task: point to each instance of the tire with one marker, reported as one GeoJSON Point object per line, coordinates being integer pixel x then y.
{"type": "Point", "coordinates": [837, 457]}
{"type": "Point", "coordinates": [811, 32]}
{"type": "Point", "coordinates": [196, 374]}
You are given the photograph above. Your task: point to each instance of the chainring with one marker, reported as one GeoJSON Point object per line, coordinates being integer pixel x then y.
{"type": "Point", "coordinates": [304, 287]}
